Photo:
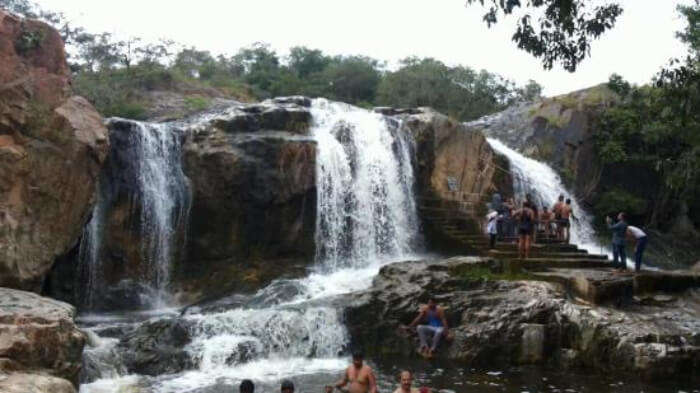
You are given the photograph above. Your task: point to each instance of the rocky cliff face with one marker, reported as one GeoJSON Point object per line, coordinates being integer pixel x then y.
{"type": "Point", "coordinates": [503, 320]}
{"type": "Point", "coordinates": [40, 346]}
{"type": "Point", "coordinates": [558, 131]}
{"type": "Point", "coordinates": [455, 168]}
{"type": "Point", "coordinates": [51, 148]}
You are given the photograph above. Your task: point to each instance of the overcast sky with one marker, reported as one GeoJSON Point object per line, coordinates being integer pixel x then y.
{"type": "Point", "coordinates": [642, 41]}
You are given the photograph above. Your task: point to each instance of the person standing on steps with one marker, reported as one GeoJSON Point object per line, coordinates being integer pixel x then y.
{"type": "Point", "coordinates": [546, 221]}
{"type": "Point", "coordinates": [558, 206]}
{"type": "Point", "coordinates": [640, 239]}
{"type": "Point", "coordinates": [433, 326]}
{"type": "Point", "coordinates": [491, 229]}
{"type": "Point", "coordinates": [567, 213]}
{"type": "Point", "coordinates": [535, 217]}
{"type": "Point", "coordinates": [497, 206]}
{"type": "Point", "coordinates": [406, 383]}
{"type": "Point", "coordinates": [526, 223]}
{"type": "Point", "coordinates": [359, 375]}
{"type": "Point", "coordinates": [619, 231]}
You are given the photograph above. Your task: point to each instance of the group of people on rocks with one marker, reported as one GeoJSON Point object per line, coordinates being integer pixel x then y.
{"type": "Point", "coordinates": [359, 376]}
{"type": "Point", "coordinates": [509, 218]}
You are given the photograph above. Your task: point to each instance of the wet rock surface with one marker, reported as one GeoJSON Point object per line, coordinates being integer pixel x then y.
{"type": "Point", "coordinates": [156, 347]}
{"type": "Point", "coordinates": [498, 320]}
{"type": "Point", "coordinates": [38, 336]}
{"type": "Point", "coordinates": [252, 173]}
{"type": "Point", "coordinates": [52, 145]}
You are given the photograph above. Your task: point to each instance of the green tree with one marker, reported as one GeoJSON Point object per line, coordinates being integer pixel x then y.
{"type": "Point", "coordinates": [304, 61]}
{"type": "Point", "coordinates": [352, 79]}
{"type": "Point", "coordinates": [563, 34]}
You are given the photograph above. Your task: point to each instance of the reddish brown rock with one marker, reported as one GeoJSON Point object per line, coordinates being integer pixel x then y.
{"type": "Point", "coordinates": [51, 148]}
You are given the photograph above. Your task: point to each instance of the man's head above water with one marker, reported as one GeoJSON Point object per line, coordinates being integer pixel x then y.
{"type": "Point", "coordinates": [287, 386]}
{"type": "Point", "coordinates": [246, 386]}
{"type": "Point", "coordinates": [406, 380]}
{"type": "Point", "coordinates": [358, 358]}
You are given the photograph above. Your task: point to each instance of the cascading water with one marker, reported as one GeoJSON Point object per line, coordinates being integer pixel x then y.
{"type": "Point", "coordinates": [164, 200]}
{"type": "Point", "coordinates": [89, 262]}
{"type": "Point", "coordinates": [544, 185]}
{"type": "Point", "coordinates": [366, 209]}
{"type": "Point", "coordinates": [366, 216]}
{"type": "Point", "coordinates": [150, 173]}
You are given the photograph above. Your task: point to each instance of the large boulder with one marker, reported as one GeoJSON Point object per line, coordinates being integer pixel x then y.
{"type": "Point", "coordinates": [157, 347]}
{"type": "Point", "coordinates": [498, 320]}
{"type": "Point", "coordinates": [38, 336]}
{"type": "Point", "coordinates": [51, 148]}
{"type": "Point", "coordinates": [253, 179]}
{"type": "Point", "coordinates": [33, 383]}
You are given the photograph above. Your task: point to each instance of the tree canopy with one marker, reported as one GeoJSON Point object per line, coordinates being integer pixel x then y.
{"type": "Point", "coordinates": [562, 33]}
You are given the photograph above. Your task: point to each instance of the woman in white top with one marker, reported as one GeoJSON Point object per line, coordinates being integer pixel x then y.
{"type": "Point", "coordinates": [641, 242]}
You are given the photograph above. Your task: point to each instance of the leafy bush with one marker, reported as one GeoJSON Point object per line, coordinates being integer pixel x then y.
{"type": "Point", "coordinates": [618, 200]}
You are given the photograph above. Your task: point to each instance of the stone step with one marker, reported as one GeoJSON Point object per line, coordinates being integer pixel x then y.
{"type": "Point", "coordinates": [538, 264]}
{"type": "Point", "coordinates": [542, 247]}
{"type": "Point", "coordinates": [548, 254]}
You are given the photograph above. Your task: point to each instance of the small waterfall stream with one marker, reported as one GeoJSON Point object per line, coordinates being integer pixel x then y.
{"type": "Point", "coordinates": [150, 173]}
{"type": "Point", "coordinates": [539, 180]}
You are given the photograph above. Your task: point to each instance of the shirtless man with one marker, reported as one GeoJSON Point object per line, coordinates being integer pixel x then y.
{"type": "Point", "coordinates": [557, 216]}
{"type": "Point", "coordinates": [546, 221]}
{"type": "Point", "coordinates": [359, 375]}
{"type": "Point", "coordinates": [567, 213]}
{"type": "Point", "coordinates": [406, 383]}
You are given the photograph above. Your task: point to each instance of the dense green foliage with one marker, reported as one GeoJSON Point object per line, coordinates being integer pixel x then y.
{"type": "Point", "coordinates": [116, 75]}
{"type": "Point", "coordinates": [564, 32]}
{"type": "Point", "coordinates": [657, 127]}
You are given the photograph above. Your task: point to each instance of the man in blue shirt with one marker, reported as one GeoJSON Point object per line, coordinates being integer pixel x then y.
{"type": "Point", "coordinates": [619, 230]}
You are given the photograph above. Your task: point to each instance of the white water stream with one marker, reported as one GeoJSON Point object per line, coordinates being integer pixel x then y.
{"type": "Point", "coordinates": [544, 185]}
{"type": "Point", "coordinates": [366, 217]}
{"type": "Point", "coordinates": [161, 188]}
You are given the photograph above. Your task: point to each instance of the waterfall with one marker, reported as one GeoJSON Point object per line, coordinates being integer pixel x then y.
{"type": "Point", "coordinates": [367, 216]}
{"type": "Point", "coordinates": [366, 208]}
{"type": "Point", "coordinates": [544, 185]}
{"type": "Point", "coordinates": [164, 200]}
{"type": "Point", "coordinates": [89, 262]}
{"type": "Point", "coordinates": [144, 167]}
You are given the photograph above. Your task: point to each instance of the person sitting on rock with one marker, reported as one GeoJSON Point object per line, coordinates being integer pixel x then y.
{"type": "Point", "coordinates": [433, 327]}
{"type": "Point", "coordinates": [406, 385]}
